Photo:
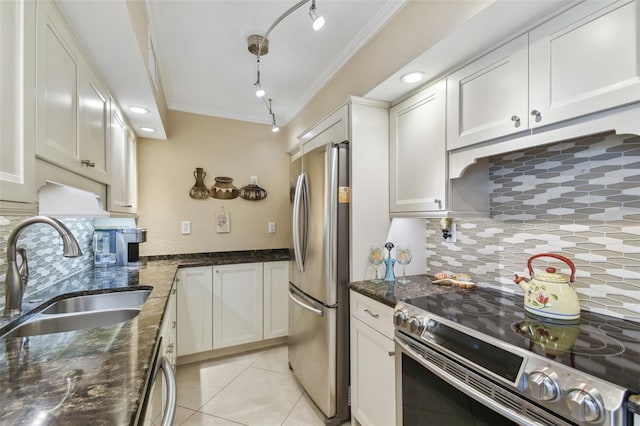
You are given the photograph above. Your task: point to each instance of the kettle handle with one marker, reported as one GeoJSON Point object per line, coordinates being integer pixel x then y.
{"type": "Point", "coordinates": [556, 256]}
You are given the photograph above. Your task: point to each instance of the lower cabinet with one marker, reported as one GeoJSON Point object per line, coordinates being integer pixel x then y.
{"type": "Point", "coordinates": [228, 305]}
{"type": "Point", "coordinates": [372, 362]}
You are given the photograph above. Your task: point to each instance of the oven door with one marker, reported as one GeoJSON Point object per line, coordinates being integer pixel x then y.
{"type": "Point", "coordinates": [432, 389]}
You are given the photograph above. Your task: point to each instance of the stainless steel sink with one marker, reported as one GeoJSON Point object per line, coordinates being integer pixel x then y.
{"type": "Point", "coordinates": [47, 324]}
{"type": "Point", "coordinates": [82, 312]}
{"type": "Point", "coordinates": [99, 302]}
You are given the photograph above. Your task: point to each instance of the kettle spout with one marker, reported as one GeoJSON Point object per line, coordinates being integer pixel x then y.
{"type": "Point", "coordinates": [522, 282]}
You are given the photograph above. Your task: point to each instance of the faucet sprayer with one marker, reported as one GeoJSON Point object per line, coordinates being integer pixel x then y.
{"type": "Point", "coordinates": [15, 282]}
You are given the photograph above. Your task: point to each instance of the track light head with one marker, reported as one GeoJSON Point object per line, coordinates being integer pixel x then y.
{"type": "Point", "coordinates": [259, 90]}
{"type": "Point", "coordinates": [318, 20]}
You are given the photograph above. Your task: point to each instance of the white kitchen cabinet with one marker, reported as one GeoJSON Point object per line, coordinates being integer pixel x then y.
{"type": "Point", "coordinates": [419, 185]}
{"type": "Point", "coordinates": [276, 299]}
{"type": "Point", "coordinates": [372, 362]}
{"type": "Point", "coordinates": [417, 153]}
{"type": "Point", "coordinates": [584, 61]}
{"type": "Point", "coordinates": [122, 193]}
{"type": "Point", "coordinates": [195, 310]}
{"type": "Point", "coordinates": [17, 104]}
{"type": "Point", "coordinates": [580, 62]}
{"type": "Point", "coordinates": [168, 329]}
{"type": "Point", "coordinates": [228, 305]}
{"type": "Point", "coordinates": [73, 108]}
{"type": "Point", "coordinates": [237, 304]}
{"type": "Point", "coordinates": [488, 98]}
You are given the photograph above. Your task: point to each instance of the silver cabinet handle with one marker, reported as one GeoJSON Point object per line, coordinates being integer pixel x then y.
{"type": "Point", "coordinates": [392, 353]}
{"type": "Point", "coordinates": [515, 118]}
{"type": "Point", "coordinates": [438, 202]}
{"type": "Point", "coordinates": [170, 380]}
{"type": "Point", "coordinates": [535, 113]}
{"type": "Point", "coordinates": [371, 313]}
{"type": "Point", "coordinates": [87, 163]}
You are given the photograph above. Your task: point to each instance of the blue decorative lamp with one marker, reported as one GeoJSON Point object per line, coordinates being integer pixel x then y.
{"type": "Point", "coordinates": [389, 262]}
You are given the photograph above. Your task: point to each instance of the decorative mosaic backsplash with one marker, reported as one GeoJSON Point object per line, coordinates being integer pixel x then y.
{"type": "Point", "coordinates": [580, 199]}
{"type": "Point", "coordinates": [44, 251]}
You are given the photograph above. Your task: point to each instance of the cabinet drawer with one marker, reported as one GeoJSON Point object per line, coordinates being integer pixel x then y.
{"type": "Point", "coordinates": [372, 313]}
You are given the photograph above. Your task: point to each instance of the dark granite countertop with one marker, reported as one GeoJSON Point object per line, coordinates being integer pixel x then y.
{"type": "Point", "coordinates": [97, 376]}
{"type": "Point", "coordinates": [392, 292]}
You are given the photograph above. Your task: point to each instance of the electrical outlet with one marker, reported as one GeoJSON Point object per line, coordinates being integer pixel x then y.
{"type": "Point", "coordinates": [271, 228]}
{"type": "Point", "coordinates": [452, 234]}
{"type": "Point", "coordinates": [185, 227]}
{"type": "Point", "coordinates": [254, 180]}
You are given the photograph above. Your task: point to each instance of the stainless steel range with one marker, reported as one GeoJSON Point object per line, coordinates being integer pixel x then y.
{"type": "Point", "coordinates": [475, 357]}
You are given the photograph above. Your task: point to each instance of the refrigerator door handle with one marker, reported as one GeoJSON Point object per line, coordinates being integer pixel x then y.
{"type": "Point", "coordinates": [300, 303]}
{"type": "Point", "coordinates": [301, 202]}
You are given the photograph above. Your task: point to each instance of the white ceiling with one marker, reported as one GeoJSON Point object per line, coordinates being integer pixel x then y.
{"type": "Point", "coordinates": [201, 48]}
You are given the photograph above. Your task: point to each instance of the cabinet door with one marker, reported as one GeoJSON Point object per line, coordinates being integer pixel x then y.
{"type": "Point", "coordinates": [276, 299]}
{"type": "Point", "coordinates": [57, 90]}
{"type": "Point", "coordinates": [131, 183]}
{"type": "Point", "coordinates": [418, 157]}
{"type": "Point", "coordinates": [93, 126]}
{"type": "Point", "coordinates": [585, 60]}
{"type": "Point", "coordinates": [169, 327]}
{"type": "Point", "coordinates": [195, 300]}
{"type": "Point", "coordinates": [372, 376]}
{"type": "Point", "coordinates": [237, 304]}
{"type": "Point", "coordinates": [17, 56]}
{"type": "Point", "coordinates": [488, 98]}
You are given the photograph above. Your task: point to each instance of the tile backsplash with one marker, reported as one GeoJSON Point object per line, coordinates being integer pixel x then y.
{"type": "Point", "coordinates": [580, 199]}
{"type": "Point", "coordinates": [44, 250]}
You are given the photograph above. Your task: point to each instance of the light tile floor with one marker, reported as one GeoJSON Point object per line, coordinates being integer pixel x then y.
{"type": "Point", "coordinates": [255, 388]}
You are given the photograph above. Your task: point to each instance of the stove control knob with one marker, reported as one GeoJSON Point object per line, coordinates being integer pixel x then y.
{"type": "Point", "coordinates": [416, 324]}
{"type": "Point", "coordinates": [543, 385]}
{"type": "Point", "coordinates": [400, 317]}
{"type": "Point", "coordinates": [585, 403]}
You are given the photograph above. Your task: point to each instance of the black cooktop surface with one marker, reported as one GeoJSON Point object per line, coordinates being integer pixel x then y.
{"type": "Point", "coordinates": [599, 345]}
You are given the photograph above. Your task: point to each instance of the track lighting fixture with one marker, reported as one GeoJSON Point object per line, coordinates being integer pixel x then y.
{"type": "Point", "coordinates": [259, 45]}
{"type": "Point", "coordinates": [318, 20]}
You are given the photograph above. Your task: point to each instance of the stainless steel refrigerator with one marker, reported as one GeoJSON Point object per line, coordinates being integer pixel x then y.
{"type": "Point", "coordinates": [319, 274]}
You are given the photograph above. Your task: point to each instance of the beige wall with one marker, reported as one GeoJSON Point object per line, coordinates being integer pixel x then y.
{"type": "Point", "coordinates": [223, 148]}
{"type": "Point", "coordinates": [414, 29]}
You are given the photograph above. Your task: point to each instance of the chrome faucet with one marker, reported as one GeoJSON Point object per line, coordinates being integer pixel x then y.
{"type": "Point", "coordinates": [15, 282]}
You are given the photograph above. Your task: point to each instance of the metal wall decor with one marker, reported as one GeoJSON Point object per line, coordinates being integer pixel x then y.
{"type": "Point", "coordinates": [253, 192]}
{"type": "Point", "coordinates": [223, 189]}
{"type": "Point", "coordinates": [199, 191]}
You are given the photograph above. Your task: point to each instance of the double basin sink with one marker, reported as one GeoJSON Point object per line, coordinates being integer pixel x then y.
{"type": "Point", "coordinates": [82, 312]}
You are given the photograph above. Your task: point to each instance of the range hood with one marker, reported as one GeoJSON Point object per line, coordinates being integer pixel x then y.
{"type": "Point", "coordinates": [58, 200]}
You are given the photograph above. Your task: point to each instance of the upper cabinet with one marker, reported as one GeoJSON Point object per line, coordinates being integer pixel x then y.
{"type": "Point", "coordinates": [122, 194]}
{"type": "Point", "coordinates": [417, 152]}
{"type": "Point", "coordinates": [584, 61]}
{"type": "Point", "coordinates": [580, 62]}
{"type": "Point", "coordinates": [488, 98]}
{"type": "Point", "coordinates": [419, 185]}
{"type": "Point", "coordinates": [73, 108]}
{"type": "Point", "coordinates": [17, 106]}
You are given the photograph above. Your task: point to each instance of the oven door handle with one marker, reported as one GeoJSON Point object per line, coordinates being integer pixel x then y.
{"type": "Point", "coordinates": [512, 415]}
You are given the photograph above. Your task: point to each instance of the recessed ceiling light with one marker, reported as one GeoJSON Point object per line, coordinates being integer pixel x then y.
{"type": "Point", "coordinates": [138, 110]}
{"type": "Point", "coordinates": [412, 77]}
{"type": "Point", "coordinates": [147, 129]}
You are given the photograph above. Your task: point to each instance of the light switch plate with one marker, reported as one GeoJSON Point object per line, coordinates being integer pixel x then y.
{"type": "Point", "coordinates": [253, 180]}
{"type": "Point", "coordinates": [271, 228]}
{"type": "Point", "coordinates": [185, 227]}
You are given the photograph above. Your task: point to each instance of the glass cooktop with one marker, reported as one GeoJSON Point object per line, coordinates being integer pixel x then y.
{"type": "Point", "coordinates": [599, 345]}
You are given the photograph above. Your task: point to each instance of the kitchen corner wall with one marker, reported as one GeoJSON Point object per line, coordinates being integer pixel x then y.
{"type": "Point", "coordinates": [580, 199]}
{"type": "Point", "coordinates": [222, 147]}
{"type": "Point", "coordinates": [44, 251]}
